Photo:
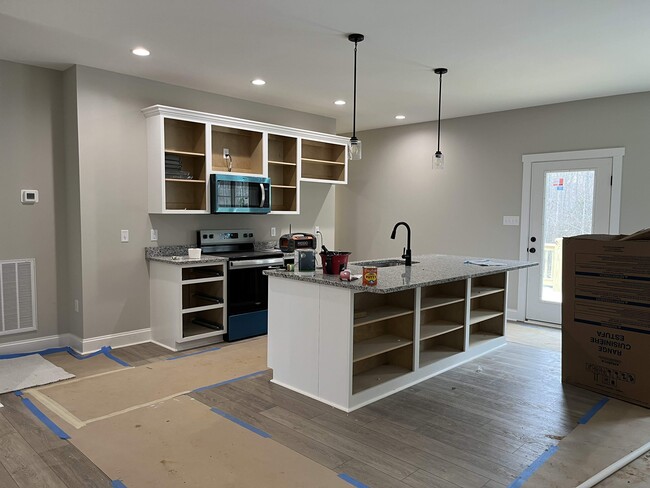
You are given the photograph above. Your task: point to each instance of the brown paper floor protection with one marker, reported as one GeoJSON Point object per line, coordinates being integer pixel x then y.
{"type": "Point", "coordinates": [181, 442]}
{"type": "Point", "coordinates": [84, 367]}
{"type": "Point", "coordinates": [85, 400]}
{"type": "Point", "coordinates": [616, 430]}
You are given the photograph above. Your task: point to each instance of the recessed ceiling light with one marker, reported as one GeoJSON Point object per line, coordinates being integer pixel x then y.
{"type": "Point", "coordinates": [258, 81]}
{"type": "Point", "coordinates": [140, 51]}
{"type": "Point", "coordinates": [400, 117]}
{"type": "Point", "coordinates": [339, 102]}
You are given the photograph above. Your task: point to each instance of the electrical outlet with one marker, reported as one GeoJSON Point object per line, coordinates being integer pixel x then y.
{"type": "Point", "coordinates": [154, 234]}
{"type": "Point", "coordinates": [124, 235]}
{"type": "Point", "coordinates": [76, 305]}
{"type": "Point", "coordinates": [316, 229]}
{"type": "Point", "coordinates": [511, 220]}
{"type": "Point", "coordinates": [226, 153]}
{"type": "Point", "coordinates": [274, 232]}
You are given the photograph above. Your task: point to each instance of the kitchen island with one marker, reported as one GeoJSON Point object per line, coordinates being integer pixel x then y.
{"type": "Point", "coordinates": [348, 345]}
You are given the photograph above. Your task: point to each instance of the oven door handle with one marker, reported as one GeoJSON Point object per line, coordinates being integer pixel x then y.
{"type": "Point", "coordinates": [256, 263]}
{"type": "Point", "coordinates": [263, 195]}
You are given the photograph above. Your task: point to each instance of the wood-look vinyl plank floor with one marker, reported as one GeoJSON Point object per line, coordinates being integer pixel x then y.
{"type": "Point", "coordinates": [475, 426]}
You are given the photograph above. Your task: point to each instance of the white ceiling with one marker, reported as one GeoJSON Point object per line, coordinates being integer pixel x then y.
{"type": "Point", "coordinates": [501, 54]}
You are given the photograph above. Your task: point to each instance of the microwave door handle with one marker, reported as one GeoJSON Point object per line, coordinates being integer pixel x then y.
{"type": "Point", "coordinates": [263, 195]}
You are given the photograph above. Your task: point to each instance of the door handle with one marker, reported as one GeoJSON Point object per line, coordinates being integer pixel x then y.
{"type": "Point", "coordinates": [263, 195]}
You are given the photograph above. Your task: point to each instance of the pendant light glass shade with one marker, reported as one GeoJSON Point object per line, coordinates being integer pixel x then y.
{"type": "Point", "coordinates": [438, 157]}
{"type": "Point", "coordinates": [354, 146]}
{"type": "Point", "coordinates": [354, 149]}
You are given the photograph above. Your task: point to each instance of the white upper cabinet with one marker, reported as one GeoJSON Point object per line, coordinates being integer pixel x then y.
{"type": "Point", "coordinates": [185, 147]}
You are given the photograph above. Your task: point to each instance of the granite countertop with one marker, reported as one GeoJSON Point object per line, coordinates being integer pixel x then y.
{"type": "Point", "coordinates": [182, 260]}
{"type": "Point", "coordinates": [430, 269]}
{"type": "Point", "coordinates": [178, 255]}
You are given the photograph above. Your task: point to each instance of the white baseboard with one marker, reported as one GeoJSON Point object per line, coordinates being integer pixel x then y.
{"type": "Point", "coordinates": [82, 346]}
{"type": "Point", "coordinates": [121, 339]}
{"type": "Point", "coordinates": [31, 345]}
{"type": "Point", "coordinates": [513, 315]}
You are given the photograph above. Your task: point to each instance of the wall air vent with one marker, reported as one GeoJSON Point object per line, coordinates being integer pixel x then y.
{"type": "Point", "coordinates": [17, 296]}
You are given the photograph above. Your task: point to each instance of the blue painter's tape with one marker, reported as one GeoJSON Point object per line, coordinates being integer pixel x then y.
{"type": "Point", "coordinates": [43, 418]}
{"type": "Point", "coordinates": [246, 425]}
{"type": "Point", "coordinates": [106, 350]}
{"type": "Point", "coordinates": [209, 387]}
{"type": "Point", "coordinates": [352, 481]}
{"type": "Point", "coordinates": [528, 472]}
{"type": "Point", "coordinates": [51, 350]}
{"type": "Point", "coordinates": [118, 484]}
{"type": "Point", "coordinates": [594, 410]}
{"type": "Point", "coordinates": [193, 354]}
{"type": "Point", "coordinates": [18, 393]}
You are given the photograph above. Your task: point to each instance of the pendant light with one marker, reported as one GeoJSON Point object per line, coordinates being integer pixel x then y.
{"type": "Point", "coordinates": [354, 147]}
{"type": "Point", "coordinates": [438, 157]}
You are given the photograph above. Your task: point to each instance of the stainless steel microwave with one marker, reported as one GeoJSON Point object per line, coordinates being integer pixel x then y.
{"type": "Point", "coordinates": [240, 194]}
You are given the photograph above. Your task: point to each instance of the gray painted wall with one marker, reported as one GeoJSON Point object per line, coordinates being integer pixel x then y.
{"type": "Point", "coordinates": [31, 157]}
{"type": "Point", "coordinates": [459, 210]}
{"type": "Point", "coordinates": [113, 191]}
{"type": "Point", "coordinates": [79, 138]}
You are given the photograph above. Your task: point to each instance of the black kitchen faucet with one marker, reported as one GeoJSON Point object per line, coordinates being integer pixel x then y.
{"type": "Point", "coordinates": [407, 249]}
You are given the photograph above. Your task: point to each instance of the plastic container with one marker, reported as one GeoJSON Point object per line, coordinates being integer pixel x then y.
{"type": "Point", "coordinates": [334, 261]}
{"type": "Point", "coordinates": [194, 252]}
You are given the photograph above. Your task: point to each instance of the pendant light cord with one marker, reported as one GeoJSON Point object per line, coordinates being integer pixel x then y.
{"type": "Point", "coordinates": [354, 107]}
{"type": "Point", "coordinates": [439, 104]}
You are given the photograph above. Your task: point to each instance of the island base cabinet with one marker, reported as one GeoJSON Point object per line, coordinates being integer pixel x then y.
{"type": "Point", "coordinates": [350, 348]}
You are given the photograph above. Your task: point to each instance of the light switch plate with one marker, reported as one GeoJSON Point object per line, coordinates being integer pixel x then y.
{"type": "Point", "coordinates": [124, 236]}
{"type": "Point", "coordinates": [511, 220]}
{"type": "Point", "coordinates": [154, 234]}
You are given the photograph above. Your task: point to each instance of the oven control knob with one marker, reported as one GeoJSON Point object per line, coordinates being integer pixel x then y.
{"type": "Point", "coordinates": [211, 236]}
{"type": "Point", "coordinates": [250, 235]}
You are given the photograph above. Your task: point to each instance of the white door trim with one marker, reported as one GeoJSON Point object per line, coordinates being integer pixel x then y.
{"type": "Point", "coordinates": [615, 153]}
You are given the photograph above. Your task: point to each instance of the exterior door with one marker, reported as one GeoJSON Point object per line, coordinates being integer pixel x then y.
{"type": "Point", "coordinates": [567, 198]}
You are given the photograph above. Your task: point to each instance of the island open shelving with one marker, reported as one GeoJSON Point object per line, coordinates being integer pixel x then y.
{"type": "Point", "coordinates": [356, 344]}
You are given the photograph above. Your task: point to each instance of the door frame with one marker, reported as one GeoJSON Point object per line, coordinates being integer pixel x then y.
{"type": "Point", "coordinates": [615, 154]}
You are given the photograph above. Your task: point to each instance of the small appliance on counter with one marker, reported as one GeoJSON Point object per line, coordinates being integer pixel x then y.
{"type": "Point", "coordinates": [295, 241]}
{"type": "Point", "coordinates": [304, 261]}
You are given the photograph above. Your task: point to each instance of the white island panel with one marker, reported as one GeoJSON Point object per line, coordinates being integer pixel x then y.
{"type": "Point", "coordinates": [293, 327]}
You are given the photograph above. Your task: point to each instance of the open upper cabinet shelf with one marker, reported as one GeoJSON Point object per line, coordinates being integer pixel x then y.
{"type": "Point", "coordinates": [185, 146]}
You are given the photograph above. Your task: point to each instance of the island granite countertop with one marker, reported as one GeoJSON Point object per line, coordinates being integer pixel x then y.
{"type": "Point", "coordinates": [430, 269]}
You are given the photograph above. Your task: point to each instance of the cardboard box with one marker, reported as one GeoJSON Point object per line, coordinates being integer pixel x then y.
{"type": "Point", "coordinates": [606, 315]}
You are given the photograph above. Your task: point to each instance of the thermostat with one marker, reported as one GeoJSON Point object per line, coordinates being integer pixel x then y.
{"type": "Point", "coordinates": [29, 196]}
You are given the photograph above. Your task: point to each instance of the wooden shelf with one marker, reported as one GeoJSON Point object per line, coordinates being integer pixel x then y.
{"type": "Point", "coordinates": [481, 291]}
{"type": "Point", "coordinates": [480, 337]}
{"type": "Point", "coordinates": [283, 163]}
{"type": "Point", "coordinates": [481, 314]}
{"type": "Point", "coordinates": [439, 301]}
{"type": "Point", "coordinates": [203, 308]}
{"type": "Point", "coordinates": [202, 280]}
{"type": "Point", "coordinates": [437, 327]}
{"type": "Point", "coordinates": [322, 161]}
{"type": "Point", "coordinates": [283, 186]}
{"type": "Point", "coordinates": [437, 353]}
{"type": "Point", "coordinates": [381, 313]}
{"type": "Point", "coordinates": [377, 376]}
{"type": "Point", "coordinates": [378, 345]}
{"type": "Point", "coordinates": [184, 153]}
{"type": "Point", "coordinates": [183, 180]}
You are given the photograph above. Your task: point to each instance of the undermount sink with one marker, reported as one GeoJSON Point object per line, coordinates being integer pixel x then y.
{"type": "Point", "coordinates": [383, 263]}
